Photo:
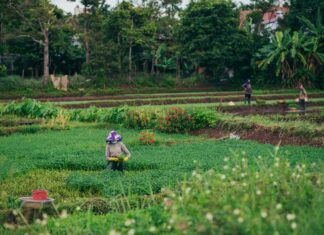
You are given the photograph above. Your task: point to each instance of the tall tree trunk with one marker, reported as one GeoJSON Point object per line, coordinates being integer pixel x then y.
{"type": "Point", "coordinates": [178, 69]}
{"type": "Point", "coordinates": [46, 57]}
{"type": "Point", "coordinates": [87, 49]}
{"type": "Point", "coordinates": [119, 54]}
{"type": "Point", "coordinates": [152, 66]}
{"type": "Point", "coordinates": [157, 68]}
{"type": "Point", "coordinates": [130, 55]}
{"type": "Point", "coordinates": [130, 61]}
{"type": "Point", "coordinates": [36, 72]}
{"type": "Point", "coordinates": [11, 66]}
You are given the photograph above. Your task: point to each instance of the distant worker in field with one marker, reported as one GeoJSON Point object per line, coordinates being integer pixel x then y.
{"type": "Point", "coordinates": [116, 152]}
{"type": "Point", "coordinates": [302, 97]}
{"type": "Point", "coordinates": [248, 91]}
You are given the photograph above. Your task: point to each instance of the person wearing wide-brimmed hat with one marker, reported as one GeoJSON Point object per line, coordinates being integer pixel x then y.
{"type": "Point", "coordinates": [115, 150]}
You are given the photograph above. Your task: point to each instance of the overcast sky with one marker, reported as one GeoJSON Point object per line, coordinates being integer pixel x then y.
{"type": "Point", "coordinates": [69, 6]}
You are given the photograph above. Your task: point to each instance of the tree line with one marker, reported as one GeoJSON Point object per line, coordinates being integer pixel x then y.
{"type": "Point", "coordinates": [158, 38]}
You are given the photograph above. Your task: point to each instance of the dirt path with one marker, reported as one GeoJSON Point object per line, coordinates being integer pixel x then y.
{"type": "Point", "coordinates": [236, 109]}
{"type": "Point", "coordinates": [262, 136]}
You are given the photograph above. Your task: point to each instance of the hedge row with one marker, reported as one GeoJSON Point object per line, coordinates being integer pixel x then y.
{"type": "Point", "coordinates": [173, 120]}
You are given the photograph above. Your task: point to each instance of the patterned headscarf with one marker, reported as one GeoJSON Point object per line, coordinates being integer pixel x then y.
{"type": "Point", "coordinates": [113, 138]}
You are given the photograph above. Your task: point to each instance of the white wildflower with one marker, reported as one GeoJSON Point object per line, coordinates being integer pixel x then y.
{"type": "Point", "coordinates": [240, 220]}
{"type": "Point", "coordinates": [293, 225]}
{"type": "Point", "coordinates": [226, 159]}
{"type": "Point", "coordinates": [198, 176]}
{"type": "Point", "coordinates": [114, 232]}
{"type": "Point", "coordinates": [278, 206]}
{"type": "Point", "coordinates": [290, 216]}
{"type": "Point", "coordinates": [225, 167]}
{"type": "Point", "coordinates": [264, 214]}
{"type": "Point", "coordinates": [188, 190]}
{"type": "Point", "coordinates": [209, 216]}
{"type": "Point", "coordinates": [258, 192]}
{"type": "Point", "coordinates": [129, 222]}
{"type": "Point", "coordinates": [131, 232]}
{"type": "Point", "coordinates": [223, 177]}
{"type": "Point", "coordinates": [152, 229]}
{"type": "Point", "coordinates": [236, 211]}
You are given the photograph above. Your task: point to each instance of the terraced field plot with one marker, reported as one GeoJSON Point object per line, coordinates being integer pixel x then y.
{"type": "Point", "coordinates": [70, 163]}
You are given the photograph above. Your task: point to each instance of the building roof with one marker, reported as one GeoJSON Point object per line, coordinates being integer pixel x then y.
{"type": "Point", "coordinates": [269, 17]}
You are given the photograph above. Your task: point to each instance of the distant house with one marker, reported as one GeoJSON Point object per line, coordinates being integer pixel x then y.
{"type": "Point", "coordinates": [270, 19]}
{"type": "Point", "coordinates": [78, 10]}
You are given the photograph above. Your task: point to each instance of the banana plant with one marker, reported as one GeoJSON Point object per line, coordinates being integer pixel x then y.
{"type": "Point", "coordinates": [286, 51]}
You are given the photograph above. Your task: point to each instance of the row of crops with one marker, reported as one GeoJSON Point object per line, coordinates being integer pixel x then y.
{"type": "Point", "coordinates": [171, 120]}
{"type": "Point", "coordinates": [273, 183]}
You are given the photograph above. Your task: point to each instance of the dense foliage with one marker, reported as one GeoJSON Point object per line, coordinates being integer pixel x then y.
{"type": "Point", "coordinates": [157, 42]}
{"type": "Point", "coordinates": [211, 40]}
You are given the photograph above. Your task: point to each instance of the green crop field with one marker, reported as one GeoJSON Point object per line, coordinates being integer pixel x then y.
{"type": "Point", "coordinates": [71, 165]}
{"type": "Point", "coordinates": [181, 182]}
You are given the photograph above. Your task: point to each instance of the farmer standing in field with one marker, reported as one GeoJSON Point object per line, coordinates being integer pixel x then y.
{"type": "Point", "coordinates": [248, 91]}
{"type": "Point", "coordinates": [302, 97]}
{"type": "Point", "coordinates": [115, 150]}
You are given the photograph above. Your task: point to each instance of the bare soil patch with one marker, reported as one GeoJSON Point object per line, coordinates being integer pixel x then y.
{"type": "Point", "coordinates": [267, 109]}
{"type": "Point", "coordinates": [263, 109]}
{"type": "Point", "coordinates": [261, 135]}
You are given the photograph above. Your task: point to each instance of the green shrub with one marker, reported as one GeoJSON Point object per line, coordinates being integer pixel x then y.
{"type": "Point", "coordinates": [31, 108]}
{"type": "Point", "coordinates": [176, 120]}
{"type": "Point", "coordinates": [169, 81]}
{"type": "Point", "coordinates": [140, 119]}
{"type": "Point", "coordinates": [3, 70]}
{"type": "Point", "coordinates": [204, 119]}
{"type": "Point", "coordinates": [16, 83]}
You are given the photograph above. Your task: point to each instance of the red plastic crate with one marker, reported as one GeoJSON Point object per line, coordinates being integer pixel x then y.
{"type": "Point", "coordinates": [40, 194]}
